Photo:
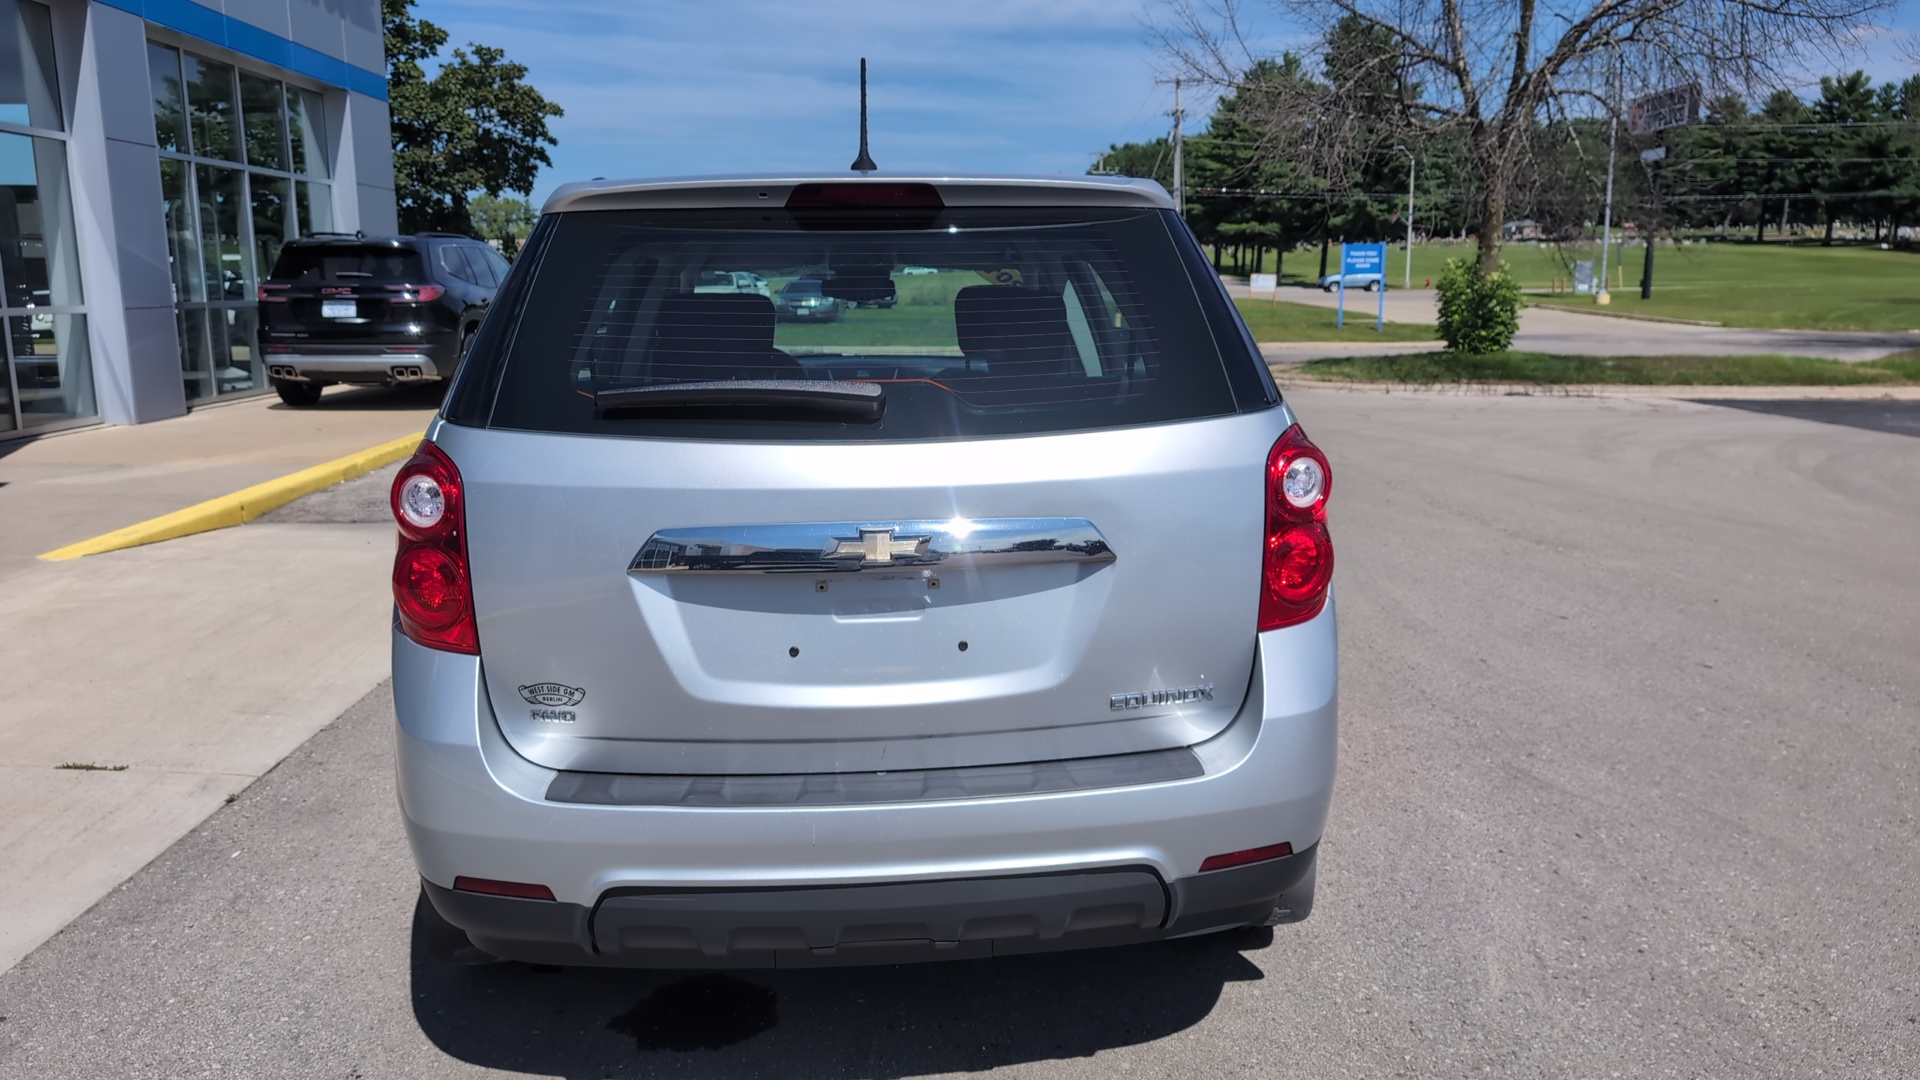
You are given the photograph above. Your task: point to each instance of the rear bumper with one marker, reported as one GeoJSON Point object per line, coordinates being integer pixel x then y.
{"type": "Point", "coordinates": [371, 367]}
{"type": "Point", "coordinates": [474, 807]}
{"type": "Point", "coordinates": [897, 923]}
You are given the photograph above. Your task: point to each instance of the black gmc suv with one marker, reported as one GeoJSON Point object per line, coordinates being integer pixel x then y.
{"type": "Point", "coordinates": [373, 310]}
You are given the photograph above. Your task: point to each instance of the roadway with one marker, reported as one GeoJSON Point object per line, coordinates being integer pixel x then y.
{"type": "Point", "coordinates": [1629, 758]}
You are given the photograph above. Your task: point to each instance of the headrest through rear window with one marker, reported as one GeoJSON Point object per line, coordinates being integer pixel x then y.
{"type": "Point", "coordinates": [1012, 323]}
{"type": "Point", "coordinates": [696, 334]}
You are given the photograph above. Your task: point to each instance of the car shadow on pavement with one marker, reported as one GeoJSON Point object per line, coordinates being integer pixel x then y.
{"type": "Point", "coordinates": [900, 1021]}
{"type": "Point", "coordinates": [372, 399]}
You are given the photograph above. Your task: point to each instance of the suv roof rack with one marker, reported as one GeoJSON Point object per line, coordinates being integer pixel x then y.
{"type": "Point", "coordinates": [354, 235]}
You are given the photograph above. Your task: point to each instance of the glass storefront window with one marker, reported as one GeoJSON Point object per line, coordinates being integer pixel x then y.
{"type": "Point", "coordinates": [183, 243]}
{"type": "Point", "coordinates": [226, 221]}
{"type": "Point", "coordinates": [223, 253]}
{"type": "Point", "coordinates": [210, 96]}
{"type": "Point", "coordinates": [29, 92]}
{"type": "Point", "coordinates": [262, 109]}
{"type": "Point", "coordinates": [39, 258]}
{"type": "Point", "coordinates": [270, 206]}
{"type": "Point", "coordinates": [196, 355]}
{"type": "Point", "coordinates": [169, 97]}
{"type": "Point", "coordinates": [52, 368]}
{"type": "Point", "coordinates": [237, 370]}
{"type": "Point", "coordinates": [46, 366]}
{"type": "Point", "coordinates": [316, 208]}
{"type": "Point", "coordinates": [307, 132]}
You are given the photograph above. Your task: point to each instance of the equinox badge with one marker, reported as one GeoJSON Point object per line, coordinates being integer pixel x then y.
{"type": "Point", "coordinates": [1178, 696]}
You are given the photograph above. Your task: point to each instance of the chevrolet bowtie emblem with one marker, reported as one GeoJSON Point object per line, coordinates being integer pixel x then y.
{"type": "Point", "coordinates": [878, 546]}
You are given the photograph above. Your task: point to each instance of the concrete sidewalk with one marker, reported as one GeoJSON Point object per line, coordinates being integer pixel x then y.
{"type": "Point", "coordinates": [62, 488]}
{"type": "Point", "coordinates": [176, 673]}
{"type": "Point", "coordinates": [1572, 333]}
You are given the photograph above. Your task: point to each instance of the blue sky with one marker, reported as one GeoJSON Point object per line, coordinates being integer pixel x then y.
{"type": "Point", "coordinates": [658, 88]}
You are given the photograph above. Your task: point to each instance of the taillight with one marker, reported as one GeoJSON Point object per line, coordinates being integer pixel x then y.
{"type": "Point", "coordinates": [1247, 857]}
{"type": "Point", "coordinates": [1298, 563]}
{"type": "Point", "coordinates": [432, 588]}
{"type": "Point", "coordinates": [421, 294]}
{"type": "Point", "coordinates": [268, 293]}
{"type": "Point", "coordinates": [518, 889]}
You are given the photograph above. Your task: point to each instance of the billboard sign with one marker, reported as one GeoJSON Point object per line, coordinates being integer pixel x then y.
{"type": "Point", "coordinates": [1671, 108]}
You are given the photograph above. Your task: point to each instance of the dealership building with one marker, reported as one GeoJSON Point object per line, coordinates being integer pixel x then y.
{"type": "Point", "coordinates": [154, 156]}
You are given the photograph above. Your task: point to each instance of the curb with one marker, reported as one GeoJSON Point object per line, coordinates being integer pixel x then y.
{"type": "Point", "coordinates": [242, 506]}
{"type": "Point", "coordinates": [1861, 392]}
{"type": "Point", "coordinates": [1633, 316]}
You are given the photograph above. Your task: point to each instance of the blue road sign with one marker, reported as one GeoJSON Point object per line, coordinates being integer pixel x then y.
{"type": "Point", "coordinates": [1363, 259]}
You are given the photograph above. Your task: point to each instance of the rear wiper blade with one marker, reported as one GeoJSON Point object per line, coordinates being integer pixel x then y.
{"type": "Point", "coordinates": [839, 400]}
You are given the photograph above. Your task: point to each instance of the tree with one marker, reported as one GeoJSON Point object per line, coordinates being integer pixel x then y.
{"type": "Point", "coordinates": [475, 126]}
{"type": "Point", "coordinates": [507, 220]}
{"type": "Point", "coordinates": [1495, 70]}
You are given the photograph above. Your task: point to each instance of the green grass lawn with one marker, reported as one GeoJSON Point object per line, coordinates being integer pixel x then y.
{"type": "Point", "coordinates": [1443, 367]}
{"type": "Point", "coordinates": [1272, 320]}
{"type": "Point", "coordinates": [1773, 285]}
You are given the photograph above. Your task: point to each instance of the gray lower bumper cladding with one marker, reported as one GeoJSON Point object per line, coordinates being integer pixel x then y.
{"type": "Point", "coordinates": [870, 924]}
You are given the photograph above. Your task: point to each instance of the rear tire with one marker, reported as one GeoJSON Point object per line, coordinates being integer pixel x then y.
{"type": "Point", "coordinates": [297, 394]}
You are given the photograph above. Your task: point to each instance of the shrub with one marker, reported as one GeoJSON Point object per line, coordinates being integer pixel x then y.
{"type": "Point", "coordinates": [1478, 315]}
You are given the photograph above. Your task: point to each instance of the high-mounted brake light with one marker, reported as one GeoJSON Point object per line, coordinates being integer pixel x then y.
{"type": "Point", "coordinates": [432, 586]}
{"type": "Point", "coordinates": [863, 195]}
{"type": "Point", "coordinates": [1298, 563]}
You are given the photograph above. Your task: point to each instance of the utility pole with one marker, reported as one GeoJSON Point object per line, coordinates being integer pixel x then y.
{"type": "Point", "coordinates": [1606, 216]}
{"type": "Point", "coordinates": [1410, 161]}
{"type": "Point", "coordinates": [1179, 159]}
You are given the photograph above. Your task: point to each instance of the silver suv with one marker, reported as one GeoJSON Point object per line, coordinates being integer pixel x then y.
{"type": "Point", "coordinates": [995, 622]}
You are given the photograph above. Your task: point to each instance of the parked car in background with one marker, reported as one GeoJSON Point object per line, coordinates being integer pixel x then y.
{"type": "Point", "coordinates": [802, 299]}
{"type": "Point", "coordinates": [1002, 628]}
{"type": "Point", "coordinates": [1370, 282]}
{"type": "Point", "coordinates": [373, 310]}
{"type": "Point", "coordinates": [723, 282]}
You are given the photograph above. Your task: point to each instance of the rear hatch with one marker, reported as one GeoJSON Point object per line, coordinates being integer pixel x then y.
{"type": "Point", "coordinates": [1046, 546]}
{"type": "Point", "coordinates": [344, 292]}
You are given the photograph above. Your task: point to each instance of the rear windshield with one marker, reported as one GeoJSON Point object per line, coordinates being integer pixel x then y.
{"type": "Point", "coordinates": [975, 322]}
{"type": "Point", "coordinates": [309, 264]}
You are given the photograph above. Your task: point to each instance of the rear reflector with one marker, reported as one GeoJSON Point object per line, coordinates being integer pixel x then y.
{"type": "Point", "coordinates": [857, 196]}
{"type": "Point", "coordinates": [1251, 855]}
{"type": "Point", "coordinates": [518, 889]}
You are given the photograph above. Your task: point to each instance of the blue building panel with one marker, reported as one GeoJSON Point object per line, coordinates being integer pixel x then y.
{"type": "Point", "coordinates": [219, 28]}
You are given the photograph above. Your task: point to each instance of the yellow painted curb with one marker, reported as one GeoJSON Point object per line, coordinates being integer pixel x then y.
{"type": "Point", "coordinates": [242, 506]}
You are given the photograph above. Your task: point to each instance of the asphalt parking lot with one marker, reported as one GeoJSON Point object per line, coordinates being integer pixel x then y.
{"type": "Point", "coordinates": [1629, 783]}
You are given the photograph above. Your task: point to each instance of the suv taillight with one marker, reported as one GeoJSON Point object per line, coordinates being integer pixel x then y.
{"type": "Point", "coordinates": [269, 293]}
{"type": "Point", "coordinates": [1298, 565]}
{"type": "Point", "coordinates": [431, 585]}
{"type": "Point", "coordinates": [417, 294]}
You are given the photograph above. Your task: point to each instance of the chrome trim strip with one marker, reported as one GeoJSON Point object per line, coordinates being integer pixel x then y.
{"type": "Point", "coordinates": [848, 546]}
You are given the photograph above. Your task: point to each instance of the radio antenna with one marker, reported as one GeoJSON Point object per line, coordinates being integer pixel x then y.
{"type": "Point", "coordinates": [863, 163]}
